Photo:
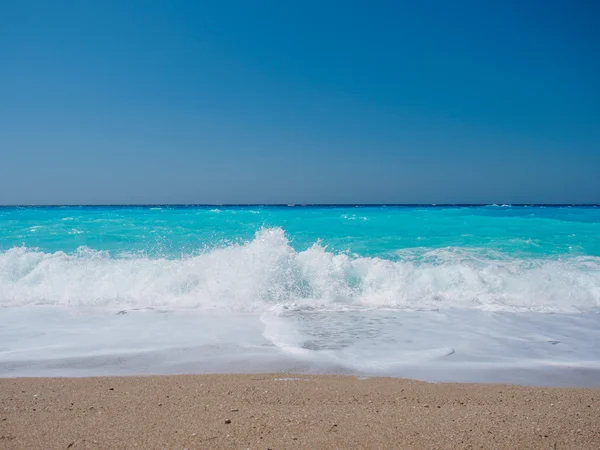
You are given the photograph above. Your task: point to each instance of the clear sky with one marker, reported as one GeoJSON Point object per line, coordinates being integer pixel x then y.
{"type": "Point", "coordinates": [299, 101]}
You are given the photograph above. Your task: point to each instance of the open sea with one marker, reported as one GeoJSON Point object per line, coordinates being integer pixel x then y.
{"type": "Point", "coordinates": [493, 293]}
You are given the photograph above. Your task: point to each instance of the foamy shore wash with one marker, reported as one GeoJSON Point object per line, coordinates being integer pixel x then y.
{"type": "Point", "coordinates": [441, 294]}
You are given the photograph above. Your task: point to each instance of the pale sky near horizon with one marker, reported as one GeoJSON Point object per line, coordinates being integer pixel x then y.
{"type": "Point", "coordinates": [121, 102]}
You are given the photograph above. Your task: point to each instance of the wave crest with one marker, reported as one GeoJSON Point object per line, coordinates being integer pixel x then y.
{"type": "Point", "coordinates": [268, 272]}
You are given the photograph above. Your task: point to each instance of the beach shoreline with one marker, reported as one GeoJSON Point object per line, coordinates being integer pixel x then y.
{"type": "Point", "coordinates": [291, 411]}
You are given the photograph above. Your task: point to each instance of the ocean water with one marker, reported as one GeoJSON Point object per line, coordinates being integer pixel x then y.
{"type": "Point", "coordinates": [492, 293]}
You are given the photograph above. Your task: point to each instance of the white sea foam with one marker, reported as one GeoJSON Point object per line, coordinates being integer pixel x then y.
{"type": "Point", "coordinates": [444, 345]}
{"type": "Point", "coordinates": [267, 272]}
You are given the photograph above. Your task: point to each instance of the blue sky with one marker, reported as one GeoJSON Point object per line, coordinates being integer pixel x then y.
{"type": "Point", "coordinates": [299, 102]}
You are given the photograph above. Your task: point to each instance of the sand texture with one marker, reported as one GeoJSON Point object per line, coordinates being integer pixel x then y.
{"type": "Point", "coordinates": [275, 411]}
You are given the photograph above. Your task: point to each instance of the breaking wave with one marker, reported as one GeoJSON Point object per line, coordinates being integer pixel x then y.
{"type": "Point", "coordinates": [267, 272]}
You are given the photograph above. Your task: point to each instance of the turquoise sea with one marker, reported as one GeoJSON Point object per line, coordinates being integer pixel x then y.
{"type": "Point", "coordinates": [443, 293]}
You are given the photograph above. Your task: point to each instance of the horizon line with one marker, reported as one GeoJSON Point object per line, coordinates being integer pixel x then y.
{"type": "Point", "coordinates": [291, 205]}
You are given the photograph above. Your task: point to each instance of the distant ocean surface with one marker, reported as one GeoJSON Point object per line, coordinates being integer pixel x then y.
{"type": "Point", "coordinates": [494, 293]}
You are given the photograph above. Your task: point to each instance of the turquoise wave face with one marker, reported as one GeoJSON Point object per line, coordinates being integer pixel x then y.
{"type": "Point", "coordinates": [385, 232]}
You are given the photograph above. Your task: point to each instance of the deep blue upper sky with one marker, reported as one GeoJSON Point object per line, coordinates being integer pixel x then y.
{"type": "Point", "coordinates": [299, 102]}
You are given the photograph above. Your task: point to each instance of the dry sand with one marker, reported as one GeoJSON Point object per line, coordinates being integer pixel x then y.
{"type": "Point", "coordinates": [278, 411]}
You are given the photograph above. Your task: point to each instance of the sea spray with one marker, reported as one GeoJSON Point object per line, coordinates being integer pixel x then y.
{"type": "Point", "coordinates": [266, 271]}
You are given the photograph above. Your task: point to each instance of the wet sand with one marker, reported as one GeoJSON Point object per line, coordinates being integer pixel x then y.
{"type": "Point", "coordinates": [278, 411]}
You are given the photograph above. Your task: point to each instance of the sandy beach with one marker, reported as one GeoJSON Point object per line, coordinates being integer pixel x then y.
{"type": "Point", "coordinates": [279, 411]}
